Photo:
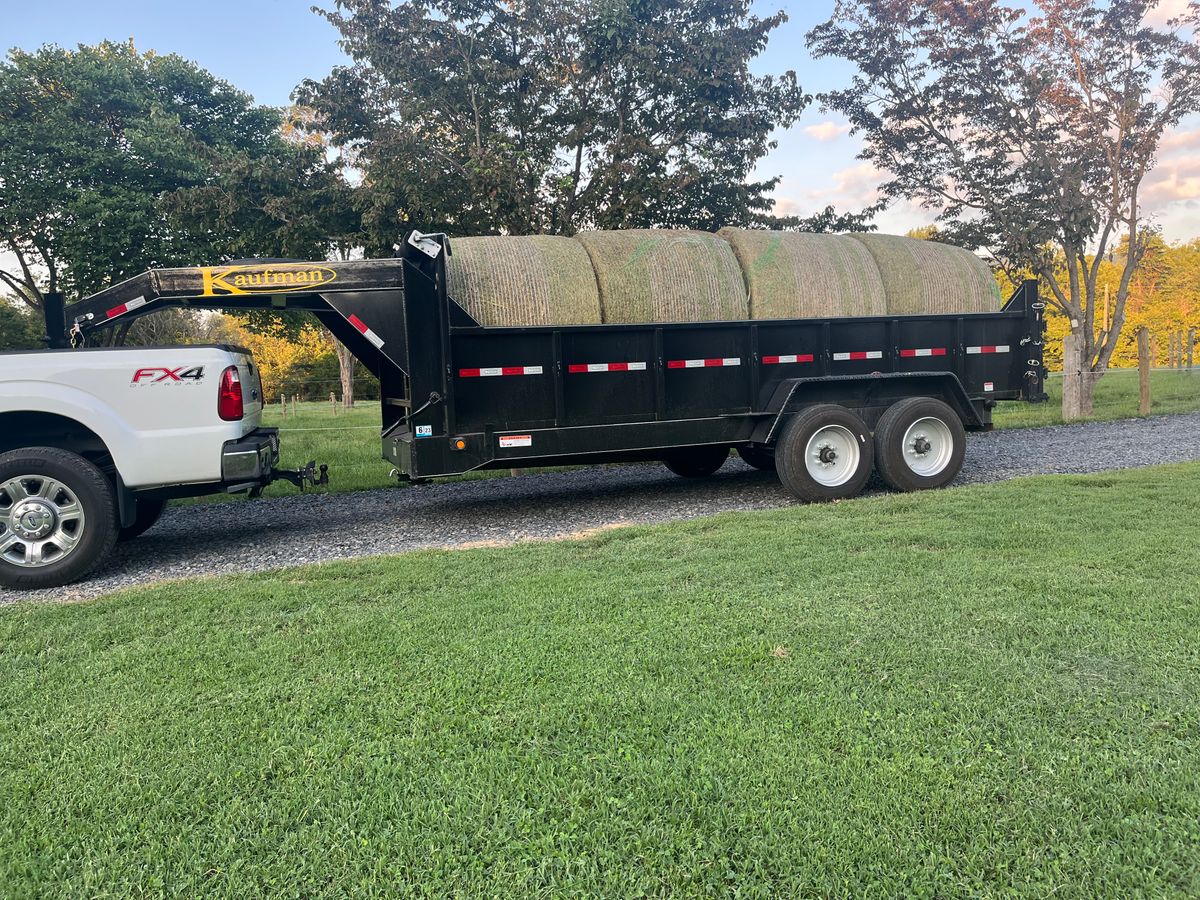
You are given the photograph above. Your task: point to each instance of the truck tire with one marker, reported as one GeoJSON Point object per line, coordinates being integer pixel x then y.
{"type": "Point", "coordinates": [58, 517]}
{"type": "Point", "coordinates": [758, 458]}
{"type": "Point", "coordinates": [824, 453]}
{"type": "Point", "coordinates": [697, 462]}
{"type": "Point", "coordinates": [919, 444]}
{"type": "Point", "coordinates": [148, 512]}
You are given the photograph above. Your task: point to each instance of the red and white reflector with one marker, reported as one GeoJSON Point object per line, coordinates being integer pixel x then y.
{"type": "Point", "coordinates": [365, 331]}
{"type": "Point", "coordinates": [588, 368]}
{"type": "Point", "coordinates": [125, 307]}
{"type": "Point", "coordinates": [703, 363]}
{"type": "Point", "coordinates": [923, 351]}
{"type": "Point", "coordinates": [787, 358]}
{"type": "Point", "coordinates": [856, 355]}
{"type": "Point", "coordinates": [497, 371]}
{"type": "Point", "coordinates": [989, 348]}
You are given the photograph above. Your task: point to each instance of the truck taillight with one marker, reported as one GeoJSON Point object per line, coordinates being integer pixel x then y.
{"type": "Point", "coordinates": [229, 400]}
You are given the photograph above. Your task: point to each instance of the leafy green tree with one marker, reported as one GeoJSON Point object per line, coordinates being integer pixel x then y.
{"type": "Point", "coordinates": [534, 116]}
{"type": "Point", "coordinates": [1029, 131]}
{"type": "Point", "coordinates": [114, 161]}
{"type": "Point", "coordinates": [19, 329]}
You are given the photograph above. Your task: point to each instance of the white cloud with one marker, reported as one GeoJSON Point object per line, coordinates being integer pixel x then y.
{"type": "Point", "coordinates": [827, 131]}
{"type": "Point", "coordinates": [1166, 10]}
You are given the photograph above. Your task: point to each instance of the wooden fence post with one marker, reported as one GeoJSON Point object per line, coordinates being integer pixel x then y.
{"type": "Point", "coordinates": [1143, 339]}
{"type": "Point", "coordinates": [1190, 348]}
{"type": "Point", "coordinates": [333, 403]}
{"type": "Point", "coordinates": [1072, 377]}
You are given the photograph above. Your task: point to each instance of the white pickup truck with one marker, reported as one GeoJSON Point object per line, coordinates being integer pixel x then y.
{"type": "Point", "coordinates": [93, 442]}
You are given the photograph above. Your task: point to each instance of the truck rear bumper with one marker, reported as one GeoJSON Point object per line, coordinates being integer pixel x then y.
{"type": "Point", "coordinates": [251, 458]}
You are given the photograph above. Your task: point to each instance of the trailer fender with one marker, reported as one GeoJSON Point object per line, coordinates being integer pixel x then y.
{"type": "Point", "coordinates": [864, 392]}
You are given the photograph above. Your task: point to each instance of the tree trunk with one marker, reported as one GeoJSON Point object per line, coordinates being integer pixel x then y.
{"type": "Point", "coordinates": [346, 373]}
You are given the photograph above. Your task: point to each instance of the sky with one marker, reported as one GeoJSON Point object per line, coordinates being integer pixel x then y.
{"type": "Point", "coordinates": [266, 47]}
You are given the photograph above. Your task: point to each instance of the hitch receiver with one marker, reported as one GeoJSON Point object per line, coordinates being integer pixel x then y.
{"type": "Point", "coordinates": [302, 477]}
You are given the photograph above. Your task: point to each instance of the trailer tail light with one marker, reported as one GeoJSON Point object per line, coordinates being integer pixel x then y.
{"type": "Point", "coordinates": [229, 398]}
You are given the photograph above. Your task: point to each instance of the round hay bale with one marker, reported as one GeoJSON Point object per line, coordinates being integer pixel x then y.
{"type": "Point", "coordinates": [794, 275]}
{"type": "Point", "coordinates": [655, 275]}
{"type": "Point", "coordinates": [525, 280]}
{"type": "Point", "coordinates": [928, 277]}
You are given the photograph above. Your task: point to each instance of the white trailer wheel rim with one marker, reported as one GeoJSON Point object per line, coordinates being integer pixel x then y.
{"type": "Point", "coordinates": [41, 521]}
{"type": "Point", "coordinates": [832, 455]}
{"type": "Point", "coordinates": [928, 446]}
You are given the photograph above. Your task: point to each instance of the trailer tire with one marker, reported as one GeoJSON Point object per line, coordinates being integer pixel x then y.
{"type": "Point", "coordinates": [148, 512]}
{"type": "Point", "coordinates": [58, 518]}
{"type": "Point", "coordinates": [758, 458]}
{"type": "Point", "coordinates": [697, 462]}
{"type": "Point", "coordinates": [920, 443]}
{"type": "Point", "coordinates": [824, 453]}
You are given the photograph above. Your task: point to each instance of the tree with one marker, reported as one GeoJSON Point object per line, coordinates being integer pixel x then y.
{"type": "Point", "coordinates": [19, 330]}
{"type": "Point", "coordinates": [113, 162]}
{"type": "Point", "coordinates": [1030, 133]}
{"type": "Point", "coordinates": [532, 116]}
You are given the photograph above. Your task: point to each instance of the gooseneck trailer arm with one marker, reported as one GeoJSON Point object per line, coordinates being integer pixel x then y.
{"type": "Point", "coordinates": [458, 396]}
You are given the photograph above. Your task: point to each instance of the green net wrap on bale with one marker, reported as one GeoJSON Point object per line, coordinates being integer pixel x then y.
{"type": "Point", "coordinates": [928, 277]}
{"type": "Point", "coordinates": [526, 280]}
{"type": "Point", "coordinates": [793, 275]}
{"type": "Point", "coordinates": [657, 275]}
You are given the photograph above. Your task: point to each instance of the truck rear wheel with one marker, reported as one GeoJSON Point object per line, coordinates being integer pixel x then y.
{"type": "Point", "coordinates": [57, 517]}
{"type": "Point", "coordinates": [919, 444]}
{"type": "Point", "coordinates": [697, 462]}
{"type": "Point", "coordinates": [824, 453]}
{"type": "Point", "coordinates": [148, 512]}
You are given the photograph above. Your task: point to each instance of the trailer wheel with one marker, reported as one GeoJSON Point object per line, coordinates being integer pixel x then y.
{"type": "Point", "coordinates": [825, 453]}
{"type": "Point", "coordinates": [58, 517]}
{"type": "Point", "coordinates": [697, 462]}
{"type": "Point", "coordinates": [148, 512]}
{"type": "Point", "coordinates": [758, 458]}
{"type": "Point", "coordinates": [919, 444]}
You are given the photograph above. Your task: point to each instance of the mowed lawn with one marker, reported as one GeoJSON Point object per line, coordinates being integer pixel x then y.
{"type": "Point", "coordinates": [977, 692]}
{"type": "Point", "coordinates": [349, 443]}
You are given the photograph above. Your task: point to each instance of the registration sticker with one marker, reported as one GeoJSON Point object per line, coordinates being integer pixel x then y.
{"type": "Point", "coordinates": [424, 431]}
{"type": "Point", "coordinates": [516, 440]}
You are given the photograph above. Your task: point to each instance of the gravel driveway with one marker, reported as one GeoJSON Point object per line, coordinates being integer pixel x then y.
{"type": "Point", "coordinates": [272, 534]}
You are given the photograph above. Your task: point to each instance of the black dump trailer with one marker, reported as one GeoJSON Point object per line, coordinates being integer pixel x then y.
{"type": "Point", "coordinates": [823, 401]}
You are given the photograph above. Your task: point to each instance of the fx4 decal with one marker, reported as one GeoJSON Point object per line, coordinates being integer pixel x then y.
{"type": "Point", "coordinates": [157, 375]}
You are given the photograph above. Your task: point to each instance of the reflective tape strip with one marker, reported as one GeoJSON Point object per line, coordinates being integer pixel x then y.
{"type": "Point", "coordinates": [997, 348]}
{"type": "Point", "coordinates": [125, 307]}
{"type": "Point", "coordinates": [787, 358]}
{"type": "Point", "coordinates": [927, 351]}
{"type": "Point", "coordinates": [365, 331]}
{"type": "Point", "coordinates": [703, 363]}
{"type": "Point", "coordinates": [499, 370]}
{"type": "Point", "coordinates": [584, 368]}
{"type": "Point", "coordinates": [857, 355]}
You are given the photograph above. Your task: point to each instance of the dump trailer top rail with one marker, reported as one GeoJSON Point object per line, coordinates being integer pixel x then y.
{"type": "Point", "coordinates": [457, 396]}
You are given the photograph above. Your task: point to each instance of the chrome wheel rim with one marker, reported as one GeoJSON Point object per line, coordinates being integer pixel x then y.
{"type": "Point", "coordinates": [41, 521]}
{"type": "Point", "coordinates": [928, 446]}
{"type": "Point", "coordinates": [832, 455]}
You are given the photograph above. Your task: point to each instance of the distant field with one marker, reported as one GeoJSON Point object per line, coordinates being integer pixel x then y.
{"type": "Point", "coordinates": [1116, 398]}
{"type": "Point", "coordinates": [350, 443]}
{"type": "Point", "coordinates": [982, 692]}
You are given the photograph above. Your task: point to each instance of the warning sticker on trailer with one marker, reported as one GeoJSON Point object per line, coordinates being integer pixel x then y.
{"type": "Point", "coordinates": [516, 440]}
{"type": "Point", "coordinates": [989, 386]}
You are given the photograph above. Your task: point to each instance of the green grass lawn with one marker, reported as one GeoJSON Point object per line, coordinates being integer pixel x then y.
{"type": "Point", "coordinates": [350, 443]}
{"type": "Point", "coordinates": [1116, 398]}
{"type": "Point", "coordinates": [980, 692]}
